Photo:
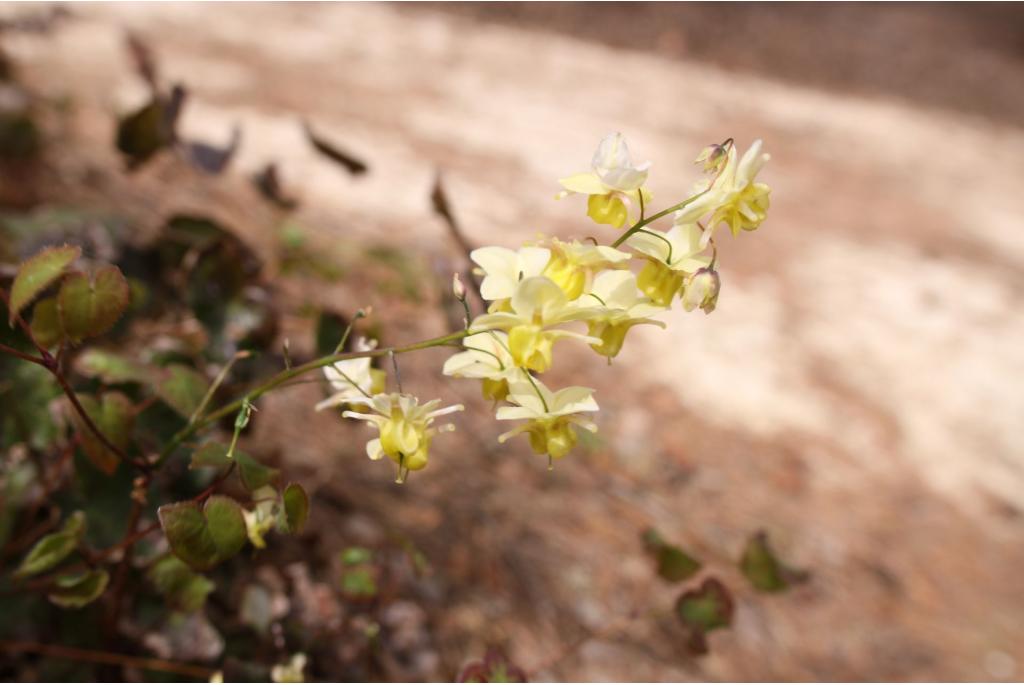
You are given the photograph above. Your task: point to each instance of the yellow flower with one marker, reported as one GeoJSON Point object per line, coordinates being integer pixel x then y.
{"type": "Point", "coordinates": [263, 515]}
{"type": "Point", "coordinates": [290, 672]}
{"type": "Point", "coordinates": [612, 181]}
{"type": "Point", "coordinates": [405, 429]}
{"type": "Point", "coordinates": [622, 307]}
{"type": "Point", "coordinates": [354, 381]}
{"type": "Point", "coordinates": [536, 306]}
{"type": "Point", "coordinates": [488, 358]}
{"type": "Point", "coordinates": [573, 265]}
{"type": "Point", "coordinates": [550, 417]}
{"type": "Point", "coordinates": [671, 256]}
{"type": "Point", "coordinates": [734, 197]}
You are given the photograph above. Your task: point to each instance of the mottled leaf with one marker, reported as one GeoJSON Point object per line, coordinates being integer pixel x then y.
{"type": "Point", "coordinates": [77, 590]}
{"type": "Point", "coordinates": [37, 273]}
{"type": "Point", "coordinates": [202, 538]}
{"type": "Point", "coordinates": [296, 507]}
{"type": "Point", "coordinates": [90, 305]}
{"type": "Point", "coordinates": [182, 588]}
{"type": "Point", "coordinates": [53, 548]}
{"type": "Point", "coordinates": [763, 569]}
{"type": "Point", "coordinates": [111, 368]}
{"type": "Point", "coordinates": [46, 327]}
{"type": "Point", "coordinates": [703, 609]}
{"type": "Point", "coordinates": [673, 564]}
{"type": "Point", "coordinates": [182, 388]}
{"type": "Point", "coordinates": [114, 415]}
{"type": "Point", "coordinates": [254, 474]}
{"type": "Point", "coordinates": [210, 455]}
{"type": "Point", "coordinates": [146, 131]}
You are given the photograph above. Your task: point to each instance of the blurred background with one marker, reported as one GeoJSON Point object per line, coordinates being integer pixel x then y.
{"type": "Point", "coordinates": [857, 394]}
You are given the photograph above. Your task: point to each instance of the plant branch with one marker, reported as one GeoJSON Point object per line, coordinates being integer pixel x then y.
{"type": "Point", "coordinates": [295, 371]}
{"type": "Point", "coordinates": [97, 657]}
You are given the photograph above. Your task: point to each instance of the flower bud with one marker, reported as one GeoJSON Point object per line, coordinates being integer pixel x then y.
{"type": "Point", "coordinates": [458, 289]}
{"type": "Point", "coordinates": [702, 290]}
{"type": "Point", "coordinates": [713, 157]}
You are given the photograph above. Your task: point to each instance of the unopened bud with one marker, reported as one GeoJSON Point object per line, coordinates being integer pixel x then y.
{"type": "Point", "coordinates": [702, 291]}
{"type": "Point", "coordinates": [458, 289]}
{"type": "Point", "coordinates": [713, 157]}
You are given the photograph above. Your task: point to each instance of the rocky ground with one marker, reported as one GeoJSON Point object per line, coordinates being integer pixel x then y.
{"type": "Point", "coordinates": [857, 392]}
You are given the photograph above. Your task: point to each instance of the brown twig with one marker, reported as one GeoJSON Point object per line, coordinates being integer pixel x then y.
{"type": "Point", "coordinates": [98, 657]}
{"type": "Point", "coordinates": [443, 208]}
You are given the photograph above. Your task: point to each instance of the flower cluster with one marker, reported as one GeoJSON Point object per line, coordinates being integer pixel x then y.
{"type": "Point", "coordinates": [581, 291]}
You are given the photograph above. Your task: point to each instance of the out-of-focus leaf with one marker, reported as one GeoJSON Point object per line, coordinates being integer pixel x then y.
{"type": "Point", "coordinates": [52, 549]}
{"type": "Point", "coordinates": [146, 131]}
{"type": "Point", "coordinates": [495, 667]}
{"type": "Point", "coordinates": [296, 507]}
{"type": "Point", "coordinates": [268, 182]}
{"type": "Point", "coordinates": [114, 415]}
{"type": "Point", "coordinates": [359, 583]}
{"type": "Point", "coordinates": [46, 326]}
{"type": "Point", "coordinates": [674, 565]}
{"type": "Point", "coordinates": [20, 139]}
{"type": "Point", "coordinates": [182, 588]}
{"type": "Point", "coordinates": [91, 305]}
{"type": "Point", "coordinates": [329, 329]}
{"type": "Point", "coordinates": [353, 165]}
{"type": "Point", "coordinates": [212, 159]}
{"type": "Point", "coordinates": [15, 481]}
{"type": "Point", "coordinates": [77, 590]}
{"type": "Point", "coordinates": [703, 609]}
{"type": "Point", "coordinates": [210, 454]}
{"type": "Point", "coordinates": [763, 569]}
{"type": "Point", "coordinates": [352, 556]}
{"type": "Point", "coordinates": [182, 388]}
{"type": "Point", "coordinates": [111, 368]}
{"type": "Point", "coordinates": [26, 391]}
{"type": "Point", "coordinates": [202, 538]}
{"type": "Point", "coordinates": [254, 474]}
{"type": "Point", "coordinates": [37, 273]}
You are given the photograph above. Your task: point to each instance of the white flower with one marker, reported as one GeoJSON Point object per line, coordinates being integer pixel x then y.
{"type": "Point", "coordinates": [404, 426]}
{"type": "Point", "coordinates": [504, 268]}
{"type": "Point", "coordinates": [612, 179]}
{"type": "Point", "coordinates": [486, 357]}
{"type": "Point", "coordinates": [549, 416]}
{"type": "Point", "coordinates": [672, 255]}
{"type": "Point", "coordinates": [353, 380]}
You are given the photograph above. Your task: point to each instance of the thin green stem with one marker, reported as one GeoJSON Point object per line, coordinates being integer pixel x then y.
{"type": "Point", "coordinates": [287, 375]}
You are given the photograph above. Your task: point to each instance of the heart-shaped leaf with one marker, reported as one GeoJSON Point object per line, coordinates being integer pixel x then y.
{"type": "Point", "coordinates": [296, 507]}
{"type": "Point", "coordinates": [254, 474]}
{"type": "Point", "coordinates": [38, 272]}
{"type": "Point", "coordinates": [210, 455]}
{"type": "Point", "coordinates": [110, 367]}
{"type": "Point", "coordinates": [114, 415]}
{"type": "Point", "coordinates": [76, 590]}
{"type": "Point", "coordinates": [674, 565]}
{"type": "Point", "coordinates": [764, 570]}
{"type": "Point", "coordinates": [53, 548]}
{"type": "Point", "coordinates": [182, 588]}
{"type": "Point", "coordinates": [89, 305]}
{"type": "Point", "coordinates": [182, 388]}
{"type": "Point", "coordinates": [703, 609]}
{"type": "Point", "coordinates": [204, 537]}
{"type": "Point", "coordinates": [46, 326]}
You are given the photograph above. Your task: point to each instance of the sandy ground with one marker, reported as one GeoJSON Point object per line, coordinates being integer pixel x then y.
{"type": "Point", "coordinates": [857, 393]}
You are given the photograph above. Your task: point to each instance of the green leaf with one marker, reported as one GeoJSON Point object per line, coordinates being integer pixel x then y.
{"type": "Point", "coordinates": [182, 388]}
{"type": "Point", "coordinates": [46, 327]}
{"type": "Point", "coordinates": [114, 415]}
{"type": "Point", "coordinates": [703, 609]}
{"type": "Point", "coordinates": [352, 556]}
{"type": "Point", "coordinates": [296, 507]}
{"type": "Point", "coordinates": [210, 454]}
{"type": "Point", "coordinates": [763, 569]}
{"type": "Point", "coordinates": [359, 582]}
{"type": "Point", "coordinates": [91, 305]}
{"type": "Point", "coordinates": [183, 589]}
{"type": "Point", "coordinates": [37, 273]}
{"type": "Point", "coordinates": [674, 565]}
{"type": "Point", "coordinates": [203, 538]}
{"type": "Point", "coordinates": [77, 590]}
{"type": "Point", "coordinates": [53, 548]}
{"type": "Point", "coordinates": [111, 368]}
{"type": "Point", "coordinates": [254, 474]}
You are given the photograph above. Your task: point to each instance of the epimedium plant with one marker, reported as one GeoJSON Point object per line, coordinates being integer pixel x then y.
{"type": "Point", "coordinates": [583, 291]}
